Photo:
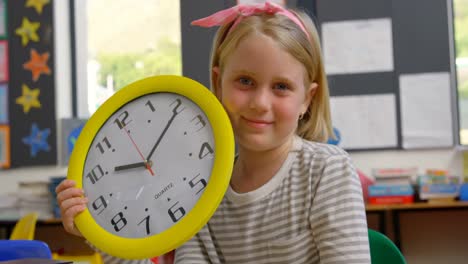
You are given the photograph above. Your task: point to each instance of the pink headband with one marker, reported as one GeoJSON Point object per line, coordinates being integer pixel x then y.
{"type": "Point", "coordinates": [236, 13]}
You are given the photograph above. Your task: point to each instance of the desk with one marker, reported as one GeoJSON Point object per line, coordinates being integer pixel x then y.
{"type": "Point", "coordinates": [397, 209]}
{"type": "Point", "coordinates": [9, 224]}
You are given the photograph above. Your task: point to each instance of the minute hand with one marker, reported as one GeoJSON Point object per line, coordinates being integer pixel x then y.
{"type": "Point", "coordinates": [174, 114]}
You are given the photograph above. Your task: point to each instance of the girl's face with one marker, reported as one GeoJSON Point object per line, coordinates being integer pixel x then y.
{"type": "Point", "coordinates": [263, 92]}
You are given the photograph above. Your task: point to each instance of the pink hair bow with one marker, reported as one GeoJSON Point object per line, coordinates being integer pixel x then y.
{"type": "Point", "coordinates": [236, 13]}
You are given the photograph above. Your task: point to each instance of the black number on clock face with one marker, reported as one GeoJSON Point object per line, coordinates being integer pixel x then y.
{"type": "Point", "coordinates": [177, 213]}
{"type": "Point", "coordinates": [201, 183]}
{"type": "Point", "coordinates": [146, 221]}
{"type": "Point", "coordinates": [100, 146]}
{"type": "Point", "coordinates": [205, 150]}
{"type": "Point", "coordinates": [199, 122]}
{"type": "Point", "coordinates": [122, 121]}
{"type": "Point", "coordinates": [150, 105]}
{"type": "Point", "coordinates": [118, 221]}
{"type": "Point", "coordinates": [100, 203]}
{"type": "Point", "coordinates": [177, 104]}
{"type": "Point", "coordinates": [95, 174]}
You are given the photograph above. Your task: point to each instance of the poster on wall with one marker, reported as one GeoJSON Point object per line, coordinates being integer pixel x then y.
{"type": "Point", "coordinates": [3, 103]}
{"type": "Point", "coordinates": [69, 130]}
{"type": "Point", "coordinates": [3, 60]}
{"type": "Point", "coordinates": [358, 46]}
{"type": "Point", "coordinates": [4, 147]}
{"type": "Point", "coordinates": [3, 28]}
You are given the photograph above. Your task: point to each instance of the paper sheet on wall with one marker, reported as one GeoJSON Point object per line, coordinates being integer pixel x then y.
{"type": "Point", "coordinates": [426, 115]}
{"type": "Point", "coordinates": [3, 61]}
{"type": "Point", "coordinates": [367, 121]}
{"type": "Point", "coordinates": [3, 103]}
{"type": "Point", "coordinates": [358, 46]}
{"type": "Point", "coordinates": [2, 19]}
{"type": "Point", "coordinates": [4, 146]}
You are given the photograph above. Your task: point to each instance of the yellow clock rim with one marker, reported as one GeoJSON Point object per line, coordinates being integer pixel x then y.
{"type": "Point", "coordinates": [195, 219]}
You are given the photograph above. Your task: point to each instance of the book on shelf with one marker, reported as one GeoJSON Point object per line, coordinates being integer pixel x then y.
{"type": "Point", "coordinates": [394, 172]}
{"type": "Point", "coordinates": [437, 179]}
{"type": "Point", "coordinates": [393, 181]}
{"type": "Point", "coordinates": [398, 199]}
{"type": "Point", "coordinates": [432, 191]}
{"type": "Point", "coordinates": [437, 172]}
{"type": "Point", "coordinates": [394, 176]}
{"type": "Point", "coordinates": [390, 190]}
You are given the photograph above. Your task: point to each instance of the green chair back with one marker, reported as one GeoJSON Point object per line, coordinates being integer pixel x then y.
{"type": "Point", "coordinates": [383, 250]}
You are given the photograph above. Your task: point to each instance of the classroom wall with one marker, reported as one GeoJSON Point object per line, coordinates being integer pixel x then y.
{"type": "Point", "coordinates": [446, 158]}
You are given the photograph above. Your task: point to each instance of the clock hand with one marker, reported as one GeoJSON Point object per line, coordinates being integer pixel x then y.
{"type": "Point", "coordinates": [174, 114]}
{"type": "Point", "coordinates": [130, 166]}
{"type": "Point", "coordinates": [160, 137]}
{"type": "Point", "coordinates": [147, 165]}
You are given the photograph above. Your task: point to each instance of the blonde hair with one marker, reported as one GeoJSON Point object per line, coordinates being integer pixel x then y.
{"type": "Point", "coordinates": [316, 122]}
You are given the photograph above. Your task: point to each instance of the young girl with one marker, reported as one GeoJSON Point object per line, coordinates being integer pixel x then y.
{"type": "Point", "coordinates": [291, 199]}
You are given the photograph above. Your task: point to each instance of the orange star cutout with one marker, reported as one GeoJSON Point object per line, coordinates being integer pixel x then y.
{"type": "Point", "coordinates": [37, 4]}
{"type": "Point", "coordinates": [38, 64]}
{"type": "Point", "coordinates": [27, 31]}
{"type": "Point", "coordinates": [29, 99]}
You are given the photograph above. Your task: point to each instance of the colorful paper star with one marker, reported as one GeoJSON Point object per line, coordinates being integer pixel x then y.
{"type": "Point", "coordinates": [37, 4]}
{"type": "Point", "coordinates": [38, 64]}
{"type": "Point", "coordinates": [29, 99]}
{"type": "Point", "coordinates": [27, 31]}
{"type": "Point", "coordinates": [37, 140]}
{"type": "Point", "coordinates": [73, 136]}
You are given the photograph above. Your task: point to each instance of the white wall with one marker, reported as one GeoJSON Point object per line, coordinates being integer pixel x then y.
{"type": "Point", "coordinates": [448, 159]}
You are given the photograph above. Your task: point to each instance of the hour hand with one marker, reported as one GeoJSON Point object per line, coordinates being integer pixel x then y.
{"type": "Point", "coordinates": [130, 166]}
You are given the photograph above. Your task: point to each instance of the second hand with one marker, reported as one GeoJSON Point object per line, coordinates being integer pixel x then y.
{"type": "Point", "coordinates": [139, 152]}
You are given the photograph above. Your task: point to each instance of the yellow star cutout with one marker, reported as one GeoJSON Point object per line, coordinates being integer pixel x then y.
{"type": "Point", "coordinates": [29, 99]}
{"type": "Point", "coordinates": [27, 31]}
{"type": "Point", "coordinates": [37, 4]}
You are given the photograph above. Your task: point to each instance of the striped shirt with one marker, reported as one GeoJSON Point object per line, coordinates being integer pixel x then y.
{"type": "Point", "coordinates": [109, 259]}
{"type": "Point", "coordinates": [311, 211]}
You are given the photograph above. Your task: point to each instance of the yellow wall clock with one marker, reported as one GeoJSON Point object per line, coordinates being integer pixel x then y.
{"type": "Point", "coordinates": [154, 161]}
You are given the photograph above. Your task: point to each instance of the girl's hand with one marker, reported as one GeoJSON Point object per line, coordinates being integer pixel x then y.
{"type": "Point", "coordinates": [71, 202]}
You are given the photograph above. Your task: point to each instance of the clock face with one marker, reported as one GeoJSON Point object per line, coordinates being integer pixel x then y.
{"type": "Point", "coordinates": [148, 165]}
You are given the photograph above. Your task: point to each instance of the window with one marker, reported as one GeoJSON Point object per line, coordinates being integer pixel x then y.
{"type": "Point", "coordinates": [460, 10]}
{"type": "Point", "coordinates": [125, 40]}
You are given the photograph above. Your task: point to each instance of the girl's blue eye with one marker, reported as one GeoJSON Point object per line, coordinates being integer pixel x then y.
{"type": "Point", "coordinates": [282, 86]}
{"type": "Point", "coordinates": [245, 81]}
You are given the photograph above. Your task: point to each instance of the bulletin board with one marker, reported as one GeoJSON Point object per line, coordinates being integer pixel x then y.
{"type": "Point", "coordinates": [390, 70]}
{"type": "Point", "coordinates": [29, 91]}
{"type": "Point", "coordinates": [389, 64]}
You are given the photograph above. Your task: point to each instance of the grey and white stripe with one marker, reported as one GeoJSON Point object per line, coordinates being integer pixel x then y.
{"type": "Point", "coordinates": [311, 211]}
{"type": "Point", "coordinates": [109, 259]}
